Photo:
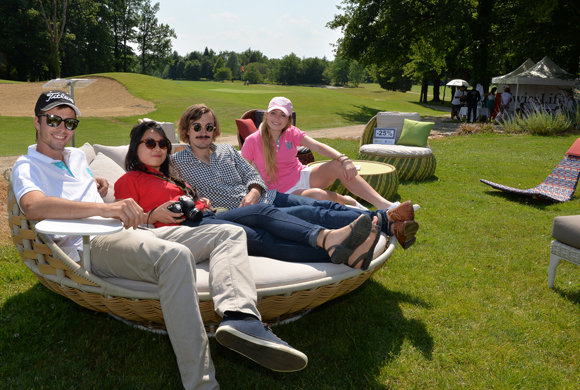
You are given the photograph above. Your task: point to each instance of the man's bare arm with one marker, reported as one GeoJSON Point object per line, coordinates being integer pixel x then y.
{"type": "Point", "coordinates": [37, 206]}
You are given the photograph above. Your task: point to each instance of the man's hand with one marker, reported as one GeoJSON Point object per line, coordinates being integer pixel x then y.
{"type": "Point", "coordinates": [128, 211]}
{"type": "Point", "coordinates": [252, 198]}
{"type": "Point", "coordinates": [102, 186]}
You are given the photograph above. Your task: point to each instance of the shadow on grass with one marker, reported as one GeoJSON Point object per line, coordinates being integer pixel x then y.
{"type": "Point", "coordinates": [361, 113]}
{"type": "Point", "coordinates": [47, 340]}
{"type": "Point", "coordinates": [572, 296]}
{"type": "Point", "coordinates": [431, 179]}
{"type": "Point", "coordinates": [349, 342]}
{"type": "Point", "coordinates": [528, 200]}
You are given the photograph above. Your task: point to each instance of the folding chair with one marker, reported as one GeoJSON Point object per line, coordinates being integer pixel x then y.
{"type": "Point", "coordinates": [559, 186]}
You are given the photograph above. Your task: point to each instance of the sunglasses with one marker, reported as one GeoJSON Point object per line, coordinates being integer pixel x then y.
{"type": "Point", "coordinates": [55, 121]}
{"type": "Point", "coordinates": [150, 143]}
{"type": "Point", "coordinates": [197, 127]}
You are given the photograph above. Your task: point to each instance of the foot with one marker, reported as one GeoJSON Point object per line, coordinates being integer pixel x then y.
{"type": "Point", "coordinates": [256, 341]}
{"type": "Point", "coordinates": [404, 212]}
{"type": "Point", "coordinates": [343, 242]}
{"type": "Point", "coordinates": [363, 255]}
{"type": "Point", "coordinates": [405, 232]}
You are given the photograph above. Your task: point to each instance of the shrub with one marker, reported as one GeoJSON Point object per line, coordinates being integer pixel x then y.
{"type": "Point", "coordinates": [474, 128]}
{"type": "Point", "coordinates": [538, 122]}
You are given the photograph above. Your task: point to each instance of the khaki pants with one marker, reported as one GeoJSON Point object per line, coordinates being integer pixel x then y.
{"type": "Point", "coordinates": [167, 257]}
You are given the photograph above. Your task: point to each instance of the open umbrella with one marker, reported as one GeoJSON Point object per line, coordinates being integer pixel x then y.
{"type": "Point", "coordinates": [458, 83]}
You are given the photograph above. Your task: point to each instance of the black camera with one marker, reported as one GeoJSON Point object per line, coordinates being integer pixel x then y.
{"type": "Point", "coordinates": [186, 205]}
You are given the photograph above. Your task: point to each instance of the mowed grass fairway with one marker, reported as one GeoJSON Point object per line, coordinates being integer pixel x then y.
{"type": "Point", "coordinates": [316, 108]}
{"type": "Point", "coordinates": [466, 307]}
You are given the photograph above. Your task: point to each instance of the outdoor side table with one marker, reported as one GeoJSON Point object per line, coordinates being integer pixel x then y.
{"type": "Point", "coordinates": [86, 227]}
{"type": "Point", "coordinates": [382, 177]}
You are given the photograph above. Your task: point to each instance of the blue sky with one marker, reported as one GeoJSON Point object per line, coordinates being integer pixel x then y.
{"type": "Point", "coordinates": [276, 28]}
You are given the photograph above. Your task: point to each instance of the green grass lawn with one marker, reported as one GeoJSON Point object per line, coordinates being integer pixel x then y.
{"type": "Point", "coordinates": [316, 108]}
{"type": "Point", "coordinates": [466, 307]}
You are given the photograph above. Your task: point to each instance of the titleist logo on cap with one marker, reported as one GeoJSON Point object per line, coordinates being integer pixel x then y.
{"type": "Point", "coordinates": [58, 95]}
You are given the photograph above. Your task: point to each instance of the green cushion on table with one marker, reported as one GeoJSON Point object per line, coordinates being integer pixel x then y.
{"type": "Point", "coordinates": [415, 133]}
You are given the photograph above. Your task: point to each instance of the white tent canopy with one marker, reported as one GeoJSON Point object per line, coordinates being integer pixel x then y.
{"type": "Point", "coordinates": [510, 78]}
{"type": "Point", "coordinates": [541, 83]}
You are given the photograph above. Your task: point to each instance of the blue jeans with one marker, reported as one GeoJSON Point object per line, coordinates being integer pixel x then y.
{"type": "Point", "coordinates": [272, 233]}
{"type": "Point", "coordinates": [323, 212]}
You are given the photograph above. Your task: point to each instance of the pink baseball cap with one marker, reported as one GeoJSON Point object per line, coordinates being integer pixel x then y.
{"type": "Point", "coordinates": [282, 104]}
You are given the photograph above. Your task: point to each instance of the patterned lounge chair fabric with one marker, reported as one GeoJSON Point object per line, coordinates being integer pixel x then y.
{"type": "Point", "coordinates": [559, 186]}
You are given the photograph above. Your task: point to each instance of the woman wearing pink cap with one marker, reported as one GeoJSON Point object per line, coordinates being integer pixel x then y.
{"type": "Point", "coordinates": [272, 150]}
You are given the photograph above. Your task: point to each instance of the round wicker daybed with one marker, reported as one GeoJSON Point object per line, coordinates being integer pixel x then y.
{"type": "Point", "coordinates": [289, 291]}
{"type": "Point", "coordinates": [412, 163]}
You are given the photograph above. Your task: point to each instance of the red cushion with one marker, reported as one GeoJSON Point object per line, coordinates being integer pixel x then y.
{"type": "Point", "coordinates": [575, 148]}
{"type": "Point", "coordinates": [245, 127]}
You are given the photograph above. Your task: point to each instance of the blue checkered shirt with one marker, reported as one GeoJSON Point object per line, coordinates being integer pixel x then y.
{"type": "Point", "coordinates": [226, 181]}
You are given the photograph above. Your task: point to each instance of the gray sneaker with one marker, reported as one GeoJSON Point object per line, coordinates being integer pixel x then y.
{"type": "Point", "coordinates": [255, 340]}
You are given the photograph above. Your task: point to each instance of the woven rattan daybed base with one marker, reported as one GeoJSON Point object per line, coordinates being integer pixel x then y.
{"type": "Point", "coordinates": [55, 270]}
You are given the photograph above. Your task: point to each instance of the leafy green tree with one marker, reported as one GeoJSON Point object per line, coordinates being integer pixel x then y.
{"type": "Point", "coordinates": [24, 45]}
{"type": "Point", "coordinates": [180, 69]}
{"type": "Point", "coordinates": [206, 68]}
{"type": "Point", "coordinates": [356, 73]}
{"type": "Point", "coordinates": [340, 70]}
{"type": "Point", "coordinates": [223, 73]}
{"type": "Point", "coordinates": [312, 70]}
{"type": "Point", "coordinates": [289, 69]}
{"type": "Point", "coordinates": [154, 39]}
{"type": "Point", "coordinates": [55, 23]}
{"type": "Point", "coordinates": [124, 20]}
{"type": "Point", "coordinates": [219, 63]}
{"type": "Point", "coordinates": [192, 70]}
{"type": "Point", "coordinates": [234, 65]}
{"type": "Point", "coordinates": [253, 74]}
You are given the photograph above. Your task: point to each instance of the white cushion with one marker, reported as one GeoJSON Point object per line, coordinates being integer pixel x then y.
{"type": "Point", "coordinates": [89, 151]}
{"type": "Point", "coordinates": [103, 166]}
{"type": "Point", "coordinates": [395, 150]}
{"type": "Point", "coordinates": [395, 119]}
{"type": "Point", "coordinates": [168, 128]}
{"type": "Point", "coordinates": [115, 153]}
{"type": "Point", "coordinates": [268, 273]}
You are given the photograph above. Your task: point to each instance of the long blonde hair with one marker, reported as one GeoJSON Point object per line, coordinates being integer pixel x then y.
{"type": "Point", "coordinates": [269, 149]}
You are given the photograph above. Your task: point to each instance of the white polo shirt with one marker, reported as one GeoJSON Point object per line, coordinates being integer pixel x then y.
{"type": "Point", "coordinates": [73, 181]}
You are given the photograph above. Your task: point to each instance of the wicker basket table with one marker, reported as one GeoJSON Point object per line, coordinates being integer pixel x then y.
{"type": "Point", "coordinates": [382, 177]}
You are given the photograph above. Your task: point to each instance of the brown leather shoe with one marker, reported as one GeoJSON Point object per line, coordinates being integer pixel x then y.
{"type": "Point", "coordinates": [405, 232]}
{"type": "Point", "coordinates": [403, 212]}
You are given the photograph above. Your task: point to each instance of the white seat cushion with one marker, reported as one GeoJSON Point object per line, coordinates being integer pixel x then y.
{"type": "Point", "coordinates": [395, 150]}
{"type": "Point", "coordinates": [115, 153]}
{"type": "Point", "coordinates": [104, 167]}
{"type": "Point", "coordinates": [269, 273]}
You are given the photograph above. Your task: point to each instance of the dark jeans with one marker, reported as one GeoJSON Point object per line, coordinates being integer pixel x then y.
{"type": "Point", "coordinates": [272, 233]}
{"type": "Point", "coordinates": [323, 212]}
{"type": "Point", "coordinates": [470, 109]}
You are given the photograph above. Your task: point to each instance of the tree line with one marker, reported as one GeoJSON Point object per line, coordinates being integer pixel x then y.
{"type": "Point", "coordinates": [427, 41]}
{"type": "Point", "coordinates": [43, 39]}
{"type": "Point", "coordinates": [253, 66]}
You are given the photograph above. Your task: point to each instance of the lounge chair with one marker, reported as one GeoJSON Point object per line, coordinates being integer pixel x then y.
{"type": "Point", "coordinates": [559, 186]}
{"type": "Point", "coordinates": [285, 290]}
{"type": "Point", "coordinates": [412, 162]}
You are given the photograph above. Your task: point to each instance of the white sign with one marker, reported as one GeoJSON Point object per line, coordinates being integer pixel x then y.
{"type": "Point", "coordinates": [384, 136]}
